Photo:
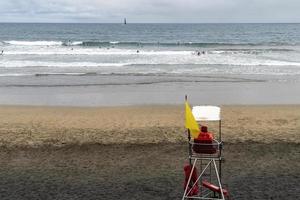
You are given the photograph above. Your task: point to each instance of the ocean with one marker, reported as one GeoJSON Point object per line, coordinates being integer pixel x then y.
{"type": "Point", "coordinates": [117, 64]}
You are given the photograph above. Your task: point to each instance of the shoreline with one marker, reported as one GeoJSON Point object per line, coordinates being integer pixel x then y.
{"type": "Point", "coordinates": [119, 91]}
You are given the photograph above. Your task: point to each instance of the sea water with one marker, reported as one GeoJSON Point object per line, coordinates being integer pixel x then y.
{"type": "Point", "coordinates": [117, 64]}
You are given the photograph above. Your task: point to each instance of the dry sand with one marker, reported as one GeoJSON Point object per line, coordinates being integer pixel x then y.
{"type": "Point", "coordinates": [35, 126]}
{"type": "Point", "coordinates": [139, 152]}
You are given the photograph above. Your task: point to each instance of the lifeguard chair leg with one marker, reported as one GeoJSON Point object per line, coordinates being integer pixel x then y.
{"type": "Point", "coordinates": [187, 185]}
{"type": "Point", "coordinates": [219, 182]}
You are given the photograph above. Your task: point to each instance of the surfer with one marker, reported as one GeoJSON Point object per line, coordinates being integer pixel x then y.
{"type": "Point", "coordinates": [137, 51]}
{"type": "Point", "coordinates": [2, 52]}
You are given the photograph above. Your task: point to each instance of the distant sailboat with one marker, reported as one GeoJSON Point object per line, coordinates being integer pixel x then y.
{"type": "Point", "coordinates": [125, 21]}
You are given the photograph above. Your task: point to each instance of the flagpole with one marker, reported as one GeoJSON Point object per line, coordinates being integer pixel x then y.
{"type": "Point", "coordinates": [189, 138]}
{"type": "Point", "coordinates": [190, 147]}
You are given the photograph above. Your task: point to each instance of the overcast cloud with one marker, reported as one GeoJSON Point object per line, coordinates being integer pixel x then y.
{"type": "Point", "coordinates": [184, 11]}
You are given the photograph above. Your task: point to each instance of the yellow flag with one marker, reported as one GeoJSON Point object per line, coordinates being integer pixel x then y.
{"type": "Point", "coordinates": [190, 122]}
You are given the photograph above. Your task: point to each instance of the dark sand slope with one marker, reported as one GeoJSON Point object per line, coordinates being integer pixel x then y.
{"type": "Point", "coordinates": [253, 171]}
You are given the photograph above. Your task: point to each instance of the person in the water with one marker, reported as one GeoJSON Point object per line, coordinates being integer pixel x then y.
{"type": "Point", "coordinates": [2, 52]}
{"type": "Point", "coordinates": [199, 53]}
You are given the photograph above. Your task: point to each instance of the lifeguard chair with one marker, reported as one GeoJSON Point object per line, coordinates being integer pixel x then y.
{"type": "Point", "coordinates": [204, 172]}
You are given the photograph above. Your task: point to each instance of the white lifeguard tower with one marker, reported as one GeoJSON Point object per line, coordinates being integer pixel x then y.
{"type": "Point", "coordinates": [205, 159]}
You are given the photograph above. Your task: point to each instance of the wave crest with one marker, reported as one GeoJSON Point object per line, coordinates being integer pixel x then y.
{"type": "Point", "coordinates": [136, 43]}
{"type": "Point", "coordinates": [34, 43]}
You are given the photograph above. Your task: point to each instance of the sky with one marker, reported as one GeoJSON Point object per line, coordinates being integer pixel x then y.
{"type": "Point", "coordinates": [150, 11]}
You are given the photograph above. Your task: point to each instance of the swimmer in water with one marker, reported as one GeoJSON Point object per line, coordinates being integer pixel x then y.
{"type": "Point", "coordinates": [137, 51]}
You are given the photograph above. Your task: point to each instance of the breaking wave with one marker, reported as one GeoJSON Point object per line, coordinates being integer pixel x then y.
{"type": "Point", "coordinates": [137, 43]}
{"type": "Point", "coordinates": [34, 43]}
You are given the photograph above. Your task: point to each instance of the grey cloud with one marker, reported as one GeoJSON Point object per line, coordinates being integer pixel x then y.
{"type": "Point", "coordinates": [150, 10]}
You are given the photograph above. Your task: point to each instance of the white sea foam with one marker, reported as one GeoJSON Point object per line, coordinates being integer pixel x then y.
{"type": "Point", "coordinates": [114, 42]}
{"type": "Point", "coordinates": [115, 58]}
{"type": "Point", "coordinates": [50, 64]}
{"type": "Point", "coordinates": [75, 43]}
{"type": "Point", "coordinates": [68, 51]}
{"type": "Point", "coordinates": [34, 54]}
{"type": "Point", "coordinates": [34, 43]}
{"type": "Point", "coordinates": [14, 74]}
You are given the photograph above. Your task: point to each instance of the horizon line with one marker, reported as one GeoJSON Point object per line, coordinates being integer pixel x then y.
{"type": "Point", "coordinates": [150, 23]}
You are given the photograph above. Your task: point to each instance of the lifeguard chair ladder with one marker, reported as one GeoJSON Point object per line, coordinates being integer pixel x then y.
{"type": "Point", "coordinates": [209, 172]}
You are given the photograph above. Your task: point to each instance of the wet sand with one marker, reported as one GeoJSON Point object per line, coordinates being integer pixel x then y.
{"type": "Point", "coordinates": [139, 152]}
{"type": "Point", "coordinates": [136, 89]}
{"type": "Point", "coordinates": [153, 171]}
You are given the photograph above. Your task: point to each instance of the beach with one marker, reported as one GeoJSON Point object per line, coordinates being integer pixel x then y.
{"type": "Point", "coordinates": [96, 111]}
{"type": "Point", "coordinates": [138, 152]}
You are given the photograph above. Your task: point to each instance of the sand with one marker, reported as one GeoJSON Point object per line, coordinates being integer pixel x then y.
{"type": "Point", "coordinates": [36, 126]}
{"type": "Point", "coordinates": [139, 152]}
{"type": "Point", "coordinates": [252, 171]}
